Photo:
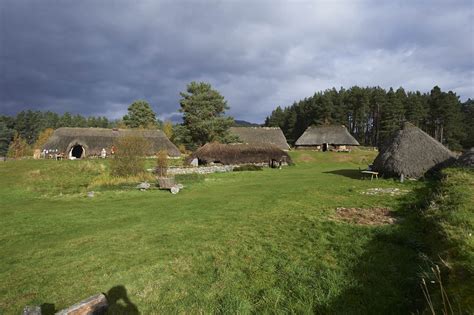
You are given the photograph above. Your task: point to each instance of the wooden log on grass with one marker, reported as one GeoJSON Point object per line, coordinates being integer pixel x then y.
{"type": "Point", "coordinates": [95, 305]}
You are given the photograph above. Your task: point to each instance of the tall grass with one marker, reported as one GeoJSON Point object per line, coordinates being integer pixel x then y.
{"type": "Point", "coordinates": [449, 225]}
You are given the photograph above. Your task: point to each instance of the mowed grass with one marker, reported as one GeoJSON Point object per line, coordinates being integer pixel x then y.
{"type": "Point", "coordinates": [244, 242]}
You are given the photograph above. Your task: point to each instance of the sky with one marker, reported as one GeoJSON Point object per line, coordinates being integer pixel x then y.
{"type": "Point", "coordinates": [96, 57]}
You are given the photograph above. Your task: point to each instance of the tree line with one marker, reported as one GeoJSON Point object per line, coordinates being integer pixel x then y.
{"type": "Point", "coordinates": [27, 125]}
{"type": "Point", "coordinates": [372, 114]}
{"type": "Point", "coordinates": [204, 120]}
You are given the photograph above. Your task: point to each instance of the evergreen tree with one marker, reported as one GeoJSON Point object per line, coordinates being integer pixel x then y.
{"type": "Point", "coordinates": [377, 104]}
{"type": "Point", "coordinates": [28, 124]}
{"type": "Point", "coordinates": [467, 109]}
{"type": "Point", "coordinates": [416, 111]}
{"type": "Point", "coordinates": [6, 136]}
{"type": "Point", "coordinates": [392, 116]}
{"type": "Point", "coordinates": [276, 119]}
{"type": "Point", "coordinates": [66, 120]}
{"type": "Point", "coordinates": [140, 115]}
{"type": "Point", "coordinates": [203, 111]}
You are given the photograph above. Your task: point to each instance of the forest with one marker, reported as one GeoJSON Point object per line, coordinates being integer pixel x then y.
{"type": "Point", "coordinates": [29, 124]}
{"type": "Point", "coordinates": [372, 114]}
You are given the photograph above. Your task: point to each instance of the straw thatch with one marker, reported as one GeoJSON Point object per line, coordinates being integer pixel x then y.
{"type": "Point", "coordinates": [235, 154]}
{"type": "Point", "coordinates": [466, 159]}
{"type": "Point", "coordinates": [412, 152]}
{"type": "Point", "coordinates": [93, 140]}
{"type": "Point", "coordinates": [335, 135]}
{"type": "Point", "coordinates": [259, 135]}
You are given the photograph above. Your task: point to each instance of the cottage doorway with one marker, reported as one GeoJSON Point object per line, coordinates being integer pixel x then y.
{"type": "Point", "coordinates": [325, 147]}
{"type": "Point", "coordinates": [77, 151]}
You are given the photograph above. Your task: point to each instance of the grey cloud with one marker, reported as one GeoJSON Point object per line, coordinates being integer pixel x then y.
{"type": "Point", "coordinates": [96, 57]}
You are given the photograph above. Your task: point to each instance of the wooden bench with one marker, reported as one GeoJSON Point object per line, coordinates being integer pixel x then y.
{"type": "Point", "coordinates": [372, 174]}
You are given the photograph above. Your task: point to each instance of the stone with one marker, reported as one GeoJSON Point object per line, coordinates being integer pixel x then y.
{"type": "Point", "coordinates": [144, 186]}
{"type": "Point", "coordinates": [32, 310]}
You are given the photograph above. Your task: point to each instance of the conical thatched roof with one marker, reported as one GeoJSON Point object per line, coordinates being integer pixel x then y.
{"type": "Point", "coordinates": [233, 154]}
{"type": "Point", "coordinates": [467, 158]}
{"type": "Point", "coordinates": [331, 134]}
{"type": "Point", "coordinates": [412, 152]}
{"type": "Point", "coordinates": [259, 135]}
{"type": "Point", "coordinates": [95, 139]}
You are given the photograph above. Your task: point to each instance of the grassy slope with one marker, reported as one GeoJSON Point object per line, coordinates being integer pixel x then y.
{"type": "Point", "coordinates": [235, 242]}
{"type": "Point", "coordinates": [450, 222]}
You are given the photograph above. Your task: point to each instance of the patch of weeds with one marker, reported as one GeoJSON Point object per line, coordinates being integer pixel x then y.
{"type": "Point", "coordinates": [108, 182]}
{"type": "Point", "coordinates": [247, 167]}
{"type": "Point", "coordinates": [189, 178]}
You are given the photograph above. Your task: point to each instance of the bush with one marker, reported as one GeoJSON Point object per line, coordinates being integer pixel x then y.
{"type": "Point", "coordinates": [18, 148]}
{"type": "Point", "coordinates": [247, 167]}
{"type": "Point", "coordinates": [128, 158]}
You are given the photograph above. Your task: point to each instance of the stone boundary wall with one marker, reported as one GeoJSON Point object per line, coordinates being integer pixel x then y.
{"type": "Point", "coordinates": [201, 170]}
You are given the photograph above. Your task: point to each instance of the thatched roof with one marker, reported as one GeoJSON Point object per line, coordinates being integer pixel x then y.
{"type": "Point", "coordinates": [94, 139]}
{"type": "Point", "coordinates": [466, 159]}
{"type": "Point", "coordinates": [233, 154]}
{"type": "Point", "coordinates": [259, 135]}
{"type": "Point", "coordinates": [411, 152]}
{"type": "Point", "coordinates": [331, 134]}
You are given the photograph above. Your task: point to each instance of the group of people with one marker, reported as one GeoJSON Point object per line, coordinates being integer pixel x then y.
{"type": "Point", "coordinates": [51, 154]}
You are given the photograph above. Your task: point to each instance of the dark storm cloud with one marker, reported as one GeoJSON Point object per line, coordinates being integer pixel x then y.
{"type": "Point", "coordinates": [96, 57]}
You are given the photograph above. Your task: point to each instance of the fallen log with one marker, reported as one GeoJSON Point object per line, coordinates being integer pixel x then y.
{"type": "Point", "coordinates": [94, 305]}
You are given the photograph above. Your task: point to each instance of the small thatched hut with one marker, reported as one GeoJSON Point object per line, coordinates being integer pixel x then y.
{"type": "Point", "coordinates": [326, 137]}
{"type": "Point", "coordinates": [411, 153]}
{"type": "Point", "coordinates": [86, 142]}
{"type": "Point", "coordinates": [466, 159]}
{"type": "Point", "coordinates": [261, 135]}
{"type": "Point", "coordinates": [236, 154]}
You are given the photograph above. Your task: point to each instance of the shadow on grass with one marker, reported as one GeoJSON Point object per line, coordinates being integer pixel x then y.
{"type": "Point", "coordinates": [387, 274]}
{"type": "Point", "coordinates": [117, 299]}
{"type": "Point", "coordinates": [119, 302]}
{"type": "Point", "coordinates": [351, 173]}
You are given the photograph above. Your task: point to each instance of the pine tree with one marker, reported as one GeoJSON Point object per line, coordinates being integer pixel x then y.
{"type": "Point", "coordinates": [6, 135]}
{"type": "Point", "coordinates": [140, 115]}
{"type": "Point", "coordinates": [203, 111]}
{"type": "Point", "coordinates": [391, 117]}
{"type": "Point", "coordinates": [416, 111]}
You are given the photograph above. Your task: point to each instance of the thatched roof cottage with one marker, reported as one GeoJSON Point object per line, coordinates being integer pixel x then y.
{"type": "Point", "coordinates": [235, 154]}
{"type": "Point", "coordinates": [259, 135]}
{"type": "Point", "coordinates": [326, 137]}
{"type": "Point", "coordinates": [84, 142]}
{"type": "Point", "coordinates": [411, 153]}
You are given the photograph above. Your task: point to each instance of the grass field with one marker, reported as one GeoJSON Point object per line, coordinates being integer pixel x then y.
{"type": "Point", "coordinates": [261, 242]}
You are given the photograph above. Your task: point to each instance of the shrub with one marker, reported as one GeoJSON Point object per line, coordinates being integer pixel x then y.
{"type": "Point", "coordinates": [128, 158]}
{"type": "Point", "coordinates": [18, 148]}
{"type": "Point", "coordinates": [162, 163]}
{"type": "Point", "coordinates": [182, 149]}
{"type": "Point", "coordinates": [247, 167]}
{"type": "Point", "coordinates": [43, 138]}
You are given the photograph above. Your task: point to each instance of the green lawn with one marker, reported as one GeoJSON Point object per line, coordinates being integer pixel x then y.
{"type": "Point", "coordinates": [261, 242]}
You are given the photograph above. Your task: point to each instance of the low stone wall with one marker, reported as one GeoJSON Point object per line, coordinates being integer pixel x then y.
{"type": "Point", "coordinates": [200, 170]}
